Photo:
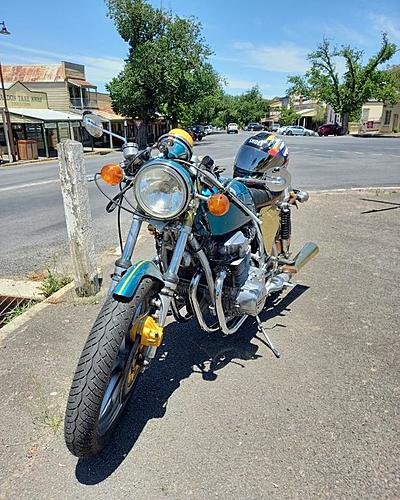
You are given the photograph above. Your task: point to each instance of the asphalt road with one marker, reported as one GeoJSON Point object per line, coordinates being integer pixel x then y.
{"type": "Point", "coordinates": [220, 417]}
{"type": "Point", "coordinates": [32, 225]}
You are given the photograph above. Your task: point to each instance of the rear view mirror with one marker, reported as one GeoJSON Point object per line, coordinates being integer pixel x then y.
{"type": "Point", "coordinates": [277, 179]}
{"type": "Point", "coordinates": [93, 125]}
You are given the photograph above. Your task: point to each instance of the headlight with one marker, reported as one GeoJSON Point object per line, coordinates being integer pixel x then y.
{"type": "Point", "coordinates": [162, 191]}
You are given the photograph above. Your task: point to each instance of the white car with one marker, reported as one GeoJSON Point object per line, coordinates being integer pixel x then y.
{"type": "Point", "coordinates": [297, 130]}
{"type": "Point", "coordinates": [232, 128]}
{"type": "Point", "coordinates": [281, 130]}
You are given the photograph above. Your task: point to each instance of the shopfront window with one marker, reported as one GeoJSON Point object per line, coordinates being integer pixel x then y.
{"type": "Point", "coordinates": [388, 116]}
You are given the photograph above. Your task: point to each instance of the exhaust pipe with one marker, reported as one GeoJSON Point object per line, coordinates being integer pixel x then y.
{"type": "Point", "coordinates": [308, 252]}
{"type": "Point", "coordinates": [278, 282]}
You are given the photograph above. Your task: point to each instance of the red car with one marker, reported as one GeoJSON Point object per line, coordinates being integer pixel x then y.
{"type": "Point", "coordinates": [329, 129]}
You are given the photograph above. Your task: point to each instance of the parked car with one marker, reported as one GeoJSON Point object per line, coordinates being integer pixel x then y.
{"type": "Point", "coordinates": [197, 132]}
{"type": "Point", "coordinates": [232, 128]}
{"type": "Point", "coordinates": [281, 130]}
{"type": "Point", "coordinates": [275, 127]}
{"type": "Point", "coordinates": [297, 130]}
{"type": "Point", "coordinates": [254, 126]}
{"type": "Point", "coordinates": [329, 129]}
{"type": "Point", "coordinates": [208, 129]}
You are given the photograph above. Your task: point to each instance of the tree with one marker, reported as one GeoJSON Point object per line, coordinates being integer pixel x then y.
{"type": "Point", "coordinates": [288, 116]}
{"type": "Point", "coordinates": [346, 93]}
{"type": "Point", "coordinates": [244, 108]}
{"type": "Point", "coordinates": [166, 70]}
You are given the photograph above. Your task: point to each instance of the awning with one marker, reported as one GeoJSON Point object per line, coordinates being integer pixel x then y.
{"type": "Point", "coordinates": [108, 116]}
{"type": "Point", "coordinates": [307, 112]}
{"type": "Point", "coordinates": [81, 83]}
{"type": "Point", "coordinates": [46, 115]}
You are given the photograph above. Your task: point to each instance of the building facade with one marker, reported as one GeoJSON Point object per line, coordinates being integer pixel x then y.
{"type": "Point", "coordinates": [378, 117]}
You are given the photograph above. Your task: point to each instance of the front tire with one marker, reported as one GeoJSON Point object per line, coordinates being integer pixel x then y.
{"type": "Point", "coordinates": [107, 373]}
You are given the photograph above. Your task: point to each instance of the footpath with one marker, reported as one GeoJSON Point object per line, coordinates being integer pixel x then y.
{"type": "Point", "coordinates": [219, 417]}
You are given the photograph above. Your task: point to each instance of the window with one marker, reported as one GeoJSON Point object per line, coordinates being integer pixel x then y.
{"type": "Point", "coordinates": [388, 116]}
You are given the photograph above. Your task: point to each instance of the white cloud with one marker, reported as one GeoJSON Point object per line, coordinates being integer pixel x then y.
{"type": "Point", "coordinates": [384, 23]}
{"type": "Point", "coordinates": [343, 33]}
{"type": "Point", "coordinates": [98, 69]}
{"type": "Point", "coordinates": [282, 58]}
{"type": "Point", "coordinates": [239, 84]}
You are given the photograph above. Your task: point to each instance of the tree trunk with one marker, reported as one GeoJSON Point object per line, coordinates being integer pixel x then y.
{"type": "Point", "coordinates": [141, 135]}
{"type": "Point", "coordinates": [345, 122]}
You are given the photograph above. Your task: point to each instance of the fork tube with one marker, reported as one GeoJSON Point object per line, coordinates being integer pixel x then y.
{"type": "Point", "coordinates": [171, 278]}
{"type": "Point", "coordinates": [124, 262]}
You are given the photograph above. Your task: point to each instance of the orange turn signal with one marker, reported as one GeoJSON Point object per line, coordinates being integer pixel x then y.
{"type": "Point", "coordinates": [112, 174]}
{"type": "Point", "coordinates": [218, 204]}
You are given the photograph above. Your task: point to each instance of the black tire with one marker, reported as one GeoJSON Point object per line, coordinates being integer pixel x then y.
{"type": "Point", "coordinates": [106, 350]}
{"type": "Point", "coordinates": [289, 133]}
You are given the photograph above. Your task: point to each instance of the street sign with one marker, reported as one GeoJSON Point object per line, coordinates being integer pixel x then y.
{"type": "Point", "coordinates": [138, 123]}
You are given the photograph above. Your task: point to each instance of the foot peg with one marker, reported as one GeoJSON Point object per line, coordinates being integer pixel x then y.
{"type": "Point", "coordinates": [261, 329]}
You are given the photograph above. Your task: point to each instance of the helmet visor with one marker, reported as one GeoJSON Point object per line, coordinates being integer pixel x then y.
{"type": "Point", "coordinates": [249, 160]}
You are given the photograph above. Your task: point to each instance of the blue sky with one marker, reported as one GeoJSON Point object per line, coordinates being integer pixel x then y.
{"type": "Point", "coordinates": [255, 42]}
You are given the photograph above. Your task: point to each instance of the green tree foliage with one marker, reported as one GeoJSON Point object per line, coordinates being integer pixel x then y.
{"type": "Point", "coordinates": [242, 109]}
{"type": "Point", "coordinates": [288, 116]}
{"type": "Point", "coordinates": [346, 93]}
{"type": "Point", "coordinates": [166, 70]}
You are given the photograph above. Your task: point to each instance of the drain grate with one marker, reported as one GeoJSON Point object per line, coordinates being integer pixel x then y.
{"type": "Point", "coordinates": [9, 304]}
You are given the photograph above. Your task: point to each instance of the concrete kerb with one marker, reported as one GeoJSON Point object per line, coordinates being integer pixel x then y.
{"type": "Point", "coordinates": [56, 298]}
{"type": "Point", "coordinates": [20, 321]}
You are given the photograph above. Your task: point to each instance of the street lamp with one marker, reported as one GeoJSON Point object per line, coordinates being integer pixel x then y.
{"type": "Point", "coordinates": [6, 114]}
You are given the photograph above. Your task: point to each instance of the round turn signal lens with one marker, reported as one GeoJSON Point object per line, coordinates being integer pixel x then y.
{"type": "Point", "coordinates": [112, 174]}
{"type": "Point", "coordinates": [218, 204]}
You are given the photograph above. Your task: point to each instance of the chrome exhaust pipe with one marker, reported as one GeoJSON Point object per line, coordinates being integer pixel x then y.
{"type": "Point", "coordinates": [280, 281]}
{"type": "Point", "coordinates": [308, 252]}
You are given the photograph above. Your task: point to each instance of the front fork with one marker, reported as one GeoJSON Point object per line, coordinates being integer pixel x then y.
{"type": "Point", "coordinates": [171, 279]}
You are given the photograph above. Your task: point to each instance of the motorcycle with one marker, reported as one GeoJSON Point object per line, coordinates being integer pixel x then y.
{"type": "Point", "coordinates": [221, 248]}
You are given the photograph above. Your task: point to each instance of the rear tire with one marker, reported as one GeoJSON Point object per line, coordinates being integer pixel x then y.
{"type": "Point", "coordinates": [108, 348]}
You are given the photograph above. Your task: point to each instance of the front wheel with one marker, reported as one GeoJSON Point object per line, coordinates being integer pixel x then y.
{"type": "Point", "coordinates": [107, 372]}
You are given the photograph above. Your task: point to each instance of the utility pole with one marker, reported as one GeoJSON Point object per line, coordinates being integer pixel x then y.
{"type": "Point", "coordinates": [6, 114]}
{"type": "Point", "coordinates": [78, 217]}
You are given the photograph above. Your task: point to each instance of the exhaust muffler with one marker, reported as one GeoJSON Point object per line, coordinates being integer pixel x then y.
{"type": "Point", "coordinates": [278, 282]}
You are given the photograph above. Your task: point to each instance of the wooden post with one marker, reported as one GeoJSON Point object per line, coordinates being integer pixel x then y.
{"type": "Point", "coordinates": [78, 217]}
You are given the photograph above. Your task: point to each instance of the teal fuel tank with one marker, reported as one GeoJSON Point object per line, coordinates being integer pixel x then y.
{"type": "Point", "coordinates": [233, 219]}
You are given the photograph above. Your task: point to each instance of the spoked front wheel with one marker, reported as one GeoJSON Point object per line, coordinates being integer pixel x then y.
{"type": "Point", "coordinates": [107, 372]}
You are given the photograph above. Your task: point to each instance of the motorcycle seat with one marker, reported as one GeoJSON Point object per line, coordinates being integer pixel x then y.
{"type": "Point", "coordinates": [263, 197]}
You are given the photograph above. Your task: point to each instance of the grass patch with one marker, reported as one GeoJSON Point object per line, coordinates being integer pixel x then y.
{"type": "Point", "coordinates": [52, 420]}
{"type": "Point", "coordinates": [17, 311]}
{"type": "Point", "coordinates": [53, 282]}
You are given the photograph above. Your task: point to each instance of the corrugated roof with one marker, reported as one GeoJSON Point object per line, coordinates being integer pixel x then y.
{"type": "Point", "coordinates": [46, 115]}
{"type": "Point", "coordinates": [33, 72]}
{"type": "Point", "coordinates": [105, 109]}
{"type": "Point", "coordinates": [81, 83]}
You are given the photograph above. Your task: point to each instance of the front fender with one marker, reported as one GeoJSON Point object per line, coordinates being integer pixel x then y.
{"type": "Point", "coordinates": [126, 288]}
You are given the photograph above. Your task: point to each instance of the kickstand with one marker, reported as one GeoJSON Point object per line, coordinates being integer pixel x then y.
{"type": "Point", "coordinates": [261, 329]}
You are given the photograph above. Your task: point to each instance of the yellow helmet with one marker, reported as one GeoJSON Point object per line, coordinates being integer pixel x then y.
{"type": "Point", "coordinates": [176, 145]}
{"type": "Point", "coordinates": [183, 134]}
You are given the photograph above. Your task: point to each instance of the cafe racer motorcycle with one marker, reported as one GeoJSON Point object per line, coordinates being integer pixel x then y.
{"type": "Point", "coordinates": [222, 246]}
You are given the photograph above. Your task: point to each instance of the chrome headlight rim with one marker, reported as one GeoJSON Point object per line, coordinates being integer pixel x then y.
{"type": "Point", "coordinates": [175, 172]}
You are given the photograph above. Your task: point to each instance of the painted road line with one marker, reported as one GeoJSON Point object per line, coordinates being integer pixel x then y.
{"type": "Point", "coordinates": [32, 184]}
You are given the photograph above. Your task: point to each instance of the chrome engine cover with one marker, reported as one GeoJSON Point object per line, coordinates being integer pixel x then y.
{"type": "Point", "coordinates": [253, 294]}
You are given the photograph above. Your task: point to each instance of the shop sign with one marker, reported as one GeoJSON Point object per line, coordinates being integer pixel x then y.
{"type": "Point", "coordinates": [50, 125]}
{"type": "Point", "coordinates": [75, 124]}
{"type": "Point", "coordinates": [63, 125]}
{"type": "Point", "coordinates": [19, 96]}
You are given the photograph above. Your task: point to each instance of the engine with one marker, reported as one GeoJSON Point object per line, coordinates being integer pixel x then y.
{"type": "Point", "coordinates": [244, 286]}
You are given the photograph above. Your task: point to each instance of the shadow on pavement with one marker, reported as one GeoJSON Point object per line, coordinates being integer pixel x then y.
{"type": "Point", "coordinates": [186, 350]}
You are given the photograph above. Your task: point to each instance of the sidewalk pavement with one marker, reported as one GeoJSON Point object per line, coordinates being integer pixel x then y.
{"type": "Point", "coordinates": [220, 417]}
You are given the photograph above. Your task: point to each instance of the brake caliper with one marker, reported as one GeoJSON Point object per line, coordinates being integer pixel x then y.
{"type": "Point", "coordinates": [152, 333]}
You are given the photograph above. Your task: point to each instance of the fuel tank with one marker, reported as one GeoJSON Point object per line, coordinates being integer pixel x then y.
{"type": "Point", "coordinates": [232, 220]}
